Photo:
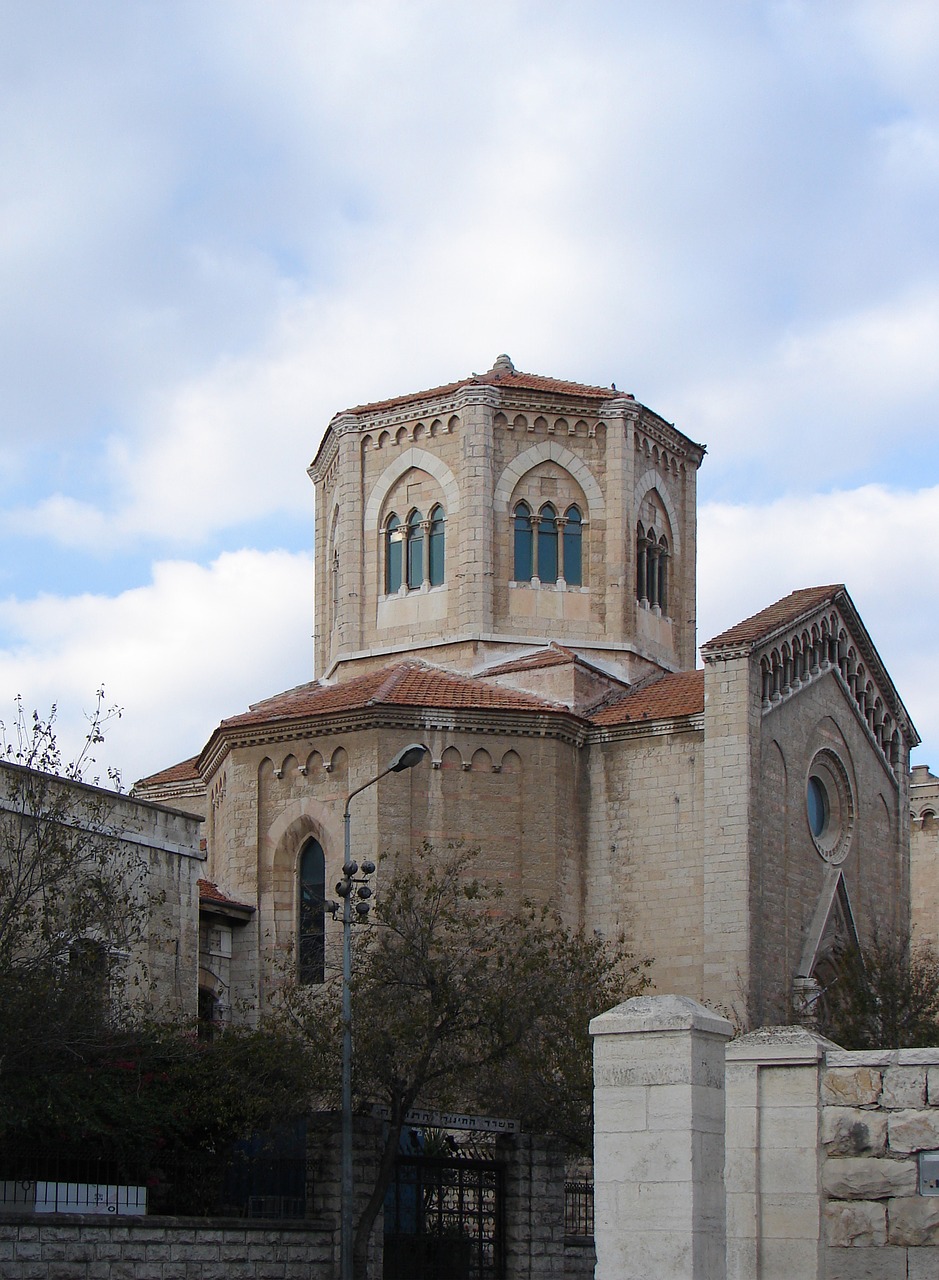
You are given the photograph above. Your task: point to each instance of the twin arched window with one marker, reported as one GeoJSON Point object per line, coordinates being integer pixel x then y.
{"type": "Point", "coordinates": [311, 931]}
{"type": "Point", "coordinates": [548, 546]}
{"type": "Point", "coordinates": [414, 552]}
{"type": "Point", "coordinates": [651, 568]}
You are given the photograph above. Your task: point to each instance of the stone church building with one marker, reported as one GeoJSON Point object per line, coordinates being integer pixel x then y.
{"type": "Point", "coordinates": [505, 573]}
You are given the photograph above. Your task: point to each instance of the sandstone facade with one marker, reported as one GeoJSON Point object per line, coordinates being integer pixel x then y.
{"type": "Point", "coordinates": [505, 573]}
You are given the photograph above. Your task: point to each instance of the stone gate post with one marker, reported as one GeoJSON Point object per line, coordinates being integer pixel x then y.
{"type": "Point", "coordinates": [659, 1140]}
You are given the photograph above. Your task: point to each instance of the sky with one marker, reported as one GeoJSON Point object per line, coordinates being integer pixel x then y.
{"type": "Point", "coordinates": [223, 221]}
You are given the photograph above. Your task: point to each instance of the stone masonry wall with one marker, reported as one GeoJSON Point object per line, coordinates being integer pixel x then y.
{"type": "Point", "coordinates": [75, 1248]}
{"type": "Point", "coordinates": [878, 1110]}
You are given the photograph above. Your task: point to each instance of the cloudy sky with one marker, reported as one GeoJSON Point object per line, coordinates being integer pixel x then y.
{"type": "Point", "coordinates": [221, 221]}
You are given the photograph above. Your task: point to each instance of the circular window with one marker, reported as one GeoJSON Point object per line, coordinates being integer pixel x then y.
{"type": "Point", "coordinates": [829, 807]}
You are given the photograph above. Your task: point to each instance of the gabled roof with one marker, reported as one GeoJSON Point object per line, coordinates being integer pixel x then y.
{"type": "Point", "coordinates": [675, 694]}
{"type": "Point", "coordinates": [776, 617]}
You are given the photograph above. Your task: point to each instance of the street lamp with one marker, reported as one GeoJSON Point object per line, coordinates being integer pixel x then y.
{"type": "Point", "coordinates": [406, 758]}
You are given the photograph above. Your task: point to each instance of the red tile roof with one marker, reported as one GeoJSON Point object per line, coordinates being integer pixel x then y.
{"type": "Point", "coordinates": [554, 655]}
{"type": "Point", "coordinates": [678, 693]}
{"type": "Point", "coordinates": [501, 375]}
{"type": "Point", "coordinates": [776, 616]}
{"type": "Point", "coordinates": [405, 684]}
{"type": "Point", "coordinates": [185, 771]}
{"type": "Point", "coordinates": [210, 892]}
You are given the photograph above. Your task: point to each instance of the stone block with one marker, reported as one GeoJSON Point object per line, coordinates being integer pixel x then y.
{"type": "Point", "coordinates": [869, 1178]}
{"type": "Point", "coordinates": [922, 1264]}
{"type": "Point", "coordinates": [865, 1264]}
{"type": "Point", "coordinates": [909, 1131]}
{"type": "Point", "coordinates": [849, 1131]}
{"type": "Point", "coordinates": [789, 1215]}
{"type": "Point", "coordinates": [914, 1220]}
{"type": "Point", "coordinates": [851, 1086]}
{"type": "Point", "coordinates": [903, 1087]}
{"type": "Point", "coordinates": [856, 1223]}
{"type": "Point", "coordinates": [932, 1086]}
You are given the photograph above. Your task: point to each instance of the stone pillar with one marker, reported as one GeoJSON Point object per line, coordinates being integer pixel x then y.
{"type": "Point", "coordinates": [659, 1140]}
{"type": "Point", "coordinates": [534, 1206]}
{"type": "Point", "coordinates": [773, 1188]}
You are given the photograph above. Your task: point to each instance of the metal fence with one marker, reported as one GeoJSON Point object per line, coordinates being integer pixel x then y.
{"type": "Point", "coordinates": [578, 1209]}
{"type": "Point", "coordinates": [237, 1183]}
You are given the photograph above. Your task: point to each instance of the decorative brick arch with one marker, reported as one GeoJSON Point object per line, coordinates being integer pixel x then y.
{"type": "Point", "coordinates": [424, 461]}
{"type": "Point", "coordinates": [548, 451]}
{"type": "Point", "coordinates": [652, 480]}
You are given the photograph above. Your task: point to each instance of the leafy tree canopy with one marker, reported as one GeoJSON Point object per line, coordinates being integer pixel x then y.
{"type": "Point", "coordinates": [883, 996]}
{"type": "Point", "coordinates": [465, 999]}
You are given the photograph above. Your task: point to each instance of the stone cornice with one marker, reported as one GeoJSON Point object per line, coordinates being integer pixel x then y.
{"type": "Point", "coordinates": [561, 725]}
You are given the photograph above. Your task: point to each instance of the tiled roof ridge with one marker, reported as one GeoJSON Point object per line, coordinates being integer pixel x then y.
{"type": "Point", "coordinates": [779, 615]}
{"type": "Point", "coordinates": [550, 654]}
{"type": "Point", "coordinates": [503, 375]}
{"type": "Point", "coordinates": [395, 675]}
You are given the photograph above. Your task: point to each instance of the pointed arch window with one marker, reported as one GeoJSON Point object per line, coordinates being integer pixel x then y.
{"type": "Point", "coordinates": [523, 543]}
{"type": "Point", "coordinates": [311, 933]}
{"type": "Point", "coordinates": [394, 554]}
{"type": "Point", "coordinates": [547, 570]}
{"type": "Point", "coordinates": [415, 550]}
{"type": "Point", "coordinates": [572, 565]}
{"type": "Point", "coordinates": [652, 555]}
{"type": "Point", "coordinates": [436, 538]}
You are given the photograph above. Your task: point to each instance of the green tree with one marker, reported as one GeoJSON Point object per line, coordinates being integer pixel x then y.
{"type": "Point", "coordinates": [463, 999]}
{"type": "Point", "coordinates": [883, 996]}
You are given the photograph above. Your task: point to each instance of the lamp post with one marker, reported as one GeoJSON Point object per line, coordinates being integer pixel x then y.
{"type": "Point", "coordinates": [406, 758]}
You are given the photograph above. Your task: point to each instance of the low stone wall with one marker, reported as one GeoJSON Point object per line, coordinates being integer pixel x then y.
{"type": "Point", "coordinates": [75, 1247]}
{"type": "Point", "coordinates": [878, 1110]}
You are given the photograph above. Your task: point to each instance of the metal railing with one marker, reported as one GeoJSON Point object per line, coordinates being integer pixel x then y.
{"type": "Point", "coordinates": [578, 1209]}
{"type": "Point", "coordinates": [184, 1184]}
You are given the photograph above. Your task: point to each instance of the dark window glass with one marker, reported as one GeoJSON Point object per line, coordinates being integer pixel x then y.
{"type": "Point", "coordinates": [415, 550]}
{"type": "Point", "coordinates": [548, 544]}
{"type": "Point", "coordinates": [394, 540]}
{"type": "Point", "coordinates": [523, 548]}
{"type": "Point", "coordinates": [818, 806]}
{"type": "Point", "coordinates": [573, 549]}
{"type": "Point", "coordinates": [311, 943]}
{"type": "Point", "coordinates": [436, 546]}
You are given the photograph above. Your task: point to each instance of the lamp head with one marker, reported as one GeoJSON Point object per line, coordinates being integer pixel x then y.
{"type": "Point", "coordinates": [408, 757]}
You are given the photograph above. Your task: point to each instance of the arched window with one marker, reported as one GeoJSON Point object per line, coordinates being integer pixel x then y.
{"type": "Point", "coordinates": [394, 543]}
{"type": "Point", "coordinates": [547, 569]}
{"type": "Point", "coordinates": [415, 550]}
{"type": "Point", "coordinates": [651, 568]}
{"type": "Point", "coordinates": [311, 934]}
{"type": "Point", "coordinates": [415, 553]}
{"type": "Point", "coordinates": [436, 546]}
{"type": "Point", "coordinates": [572, 566]}
{"type": "Point", "coordinates": [523, 541]}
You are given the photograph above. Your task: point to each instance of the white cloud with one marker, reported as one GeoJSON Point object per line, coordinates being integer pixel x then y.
{"type": "Point", "coordinates": [825, 399]}
{"type": "Point", "coordinates": [883, 544]}
{"type": "Point", "coordinates": [194, 645]}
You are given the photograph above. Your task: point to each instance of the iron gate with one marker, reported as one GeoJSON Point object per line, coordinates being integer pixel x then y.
{"type": "Point", "coordinates": [443, 1220]}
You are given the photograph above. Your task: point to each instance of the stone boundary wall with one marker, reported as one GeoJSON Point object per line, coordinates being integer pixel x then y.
{"type": "Point", "coordinates": [775, 1156]}
{"type": "Point", "coordinates": [73, 1247]}
{"type": "Point", "coordinates": [878, 1110]}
